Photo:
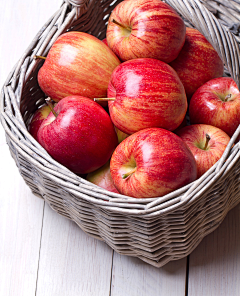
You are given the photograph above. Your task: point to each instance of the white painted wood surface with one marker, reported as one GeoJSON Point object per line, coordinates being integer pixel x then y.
{"type": "Point", "coordinates": [43, 253]}
{"type": "Point", "coordinates": [214, 266]}
{"type": "Point", "coordinates": [71, 263]}
{"type": "Point", "coordinates": [132, 277]}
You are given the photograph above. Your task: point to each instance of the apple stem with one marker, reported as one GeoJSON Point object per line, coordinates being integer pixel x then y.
{"type": "Point", "coordinates": [227, 97]}
{"type": "Point", "coordinates": [120, 25]}
{"type": "Point", "coordinates": [48, 100]}
{"type": "Point", "coordinates": [103, 99]}
{"type": "Point", "coordinates": [207, 141]}
{"type": "Point", "coordinates": [39, 57]}
{"type": "Point", "coordinates": [124, 176]}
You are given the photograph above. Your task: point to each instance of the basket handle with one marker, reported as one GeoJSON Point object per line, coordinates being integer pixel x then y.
{"type": "Point", "coordinates": [76, 3]}
{"type": "Point", "coordinates": [79, 5]}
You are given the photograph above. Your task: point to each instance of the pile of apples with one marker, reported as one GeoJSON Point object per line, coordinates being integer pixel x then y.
{"type": "Point", "coordinates": [116, 109]}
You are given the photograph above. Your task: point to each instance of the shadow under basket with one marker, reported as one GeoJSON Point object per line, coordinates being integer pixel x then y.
{"type": "Point", "coordinates": [156, 230]}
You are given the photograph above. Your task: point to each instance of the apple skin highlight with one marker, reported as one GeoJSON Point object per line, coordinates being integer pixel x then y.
{"type": "Point", "coordinates": [81, 137]}
{"type": "Point", "coordinates": [148, 93]}
{"type": "Point", "coordinates": [159, 160]}
{"type": "Point", "coordinates": [77, 64]}
{"type": "Point", "coordinates": [153, 30]}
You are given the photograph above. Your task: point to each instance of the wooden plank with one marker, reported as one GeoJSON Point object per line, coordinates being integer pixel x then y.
{"type": "Point", "coordinates": [71, 262]}
{"type": "Point", "coordinates": [20, 230]}
{"type": "Point", "coordinates": [214, 266]}
{"type": "Point", "coordinates": [133, 277]}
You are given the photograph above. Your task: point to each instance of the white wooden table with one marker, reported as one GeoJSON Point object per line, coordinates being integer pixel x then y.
{"type": "Point", "coordinates": [42, 253]}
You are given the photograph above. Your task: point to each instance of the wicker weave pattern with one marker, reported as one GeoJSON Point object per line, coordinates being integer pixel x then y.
{"type": "Point", "coordinates": [156, 230]}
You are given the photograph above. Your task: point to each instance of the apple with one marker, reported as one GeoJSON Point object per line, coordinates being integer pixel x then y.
{"type": "Point", "coordinates": [102, 177]}
{"type": "Point", "coordinates": [151, 163]}
{"type": "Point", "coordinates": [77, 64]}
{"type": "Point", "coordinates": [81, 136]}
{"type": "Point", "coordinates": [217, 103]}
{"type": "Point", "coordinates": [145, 93]}
{"type": "Point", "coordinates": [145, 29]}
{"type": "Point", "coordinates": [207, 144]}
{"type": "Point", "coordinates": [38, 117]}
{"type": "Point", "coordinates": [121, 135]}
{"type": "Point", "coordinates": [197, 62]}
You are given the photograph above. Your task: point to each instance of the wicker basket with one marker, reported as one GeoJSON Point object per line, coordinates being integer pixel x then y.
{"type": "Point", "coordinates": [155, 230]}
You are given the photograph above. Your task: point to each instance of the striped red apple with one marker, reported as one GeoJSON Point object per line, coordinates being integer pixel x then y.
{"type": "Point", "coordinates": [207, 144]}
{"type": "Point", "coordinates": [217, 103]}
{"type": "Point", "coordinates": [146, 93]}
{"type": "Point", "coordinates": [145, 29]}
{"type": "Point", "coordinates": [197, 62]}
{"type": "Point", "coordinates": [77, 64]}
{"type": "Point", "coordinates": [151, 163]}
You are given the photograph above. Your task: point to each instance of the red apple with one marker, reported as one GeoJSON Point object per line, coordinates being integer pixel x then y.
{"type": "Point", "coordinates": [145, 29]}
{"type": "Point", "coordinates": [77, 64]}
{"type": "Point", "coordinates": [146, 93]}
{"type": "Point", "coordinates": [81, 137]}
{"type": "Point", "coordinates": [151, 163]}
{"type": "Point", "coordinates": [38, 117]}
{"type": "Point", "coordinates": [197, 62]}
{"type": "Point", "coordinates": [217, 103]}
{"type": "Point", "coordinates": [102, 177]}
{"type": "Point", "coordinates": [207, 144]}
